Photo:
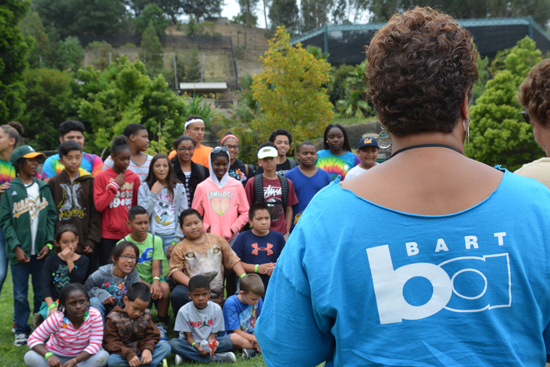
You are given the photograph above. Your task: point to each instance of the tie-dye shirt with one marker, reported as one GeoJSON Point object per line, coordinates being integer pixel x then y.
{"type": "Point", "coordinates": [90, 162]}
{"type": "Point", "coordinates": [7, 171]}
{"type": "Point", "coordinates": [336, 164]}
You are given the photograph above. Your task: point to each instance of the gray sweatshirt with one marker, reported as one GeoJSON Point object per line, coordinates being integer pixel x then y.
{"type": "Point", "coordinates": [103, 284]}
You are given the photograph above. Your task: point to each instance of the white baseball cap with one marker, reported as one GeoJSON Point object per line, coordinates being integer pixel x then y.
{"type": "Point", "coordinates": [268, 152]}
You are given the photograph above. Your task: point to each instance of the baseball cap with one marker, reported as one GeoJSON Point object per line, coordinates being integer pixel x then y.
{"type": "Point", "coordinates": [24, 151]}
{"type": "Point", "coordinates": [368, 142]}
{"type": "Point", "coordinates": [267, 152]}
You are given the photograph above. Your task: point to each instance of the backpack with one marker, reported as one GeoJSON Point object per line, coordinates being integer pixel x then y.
{"type": "Point", "coordinates": [259, 188]}
{"type": "Point", "coordinates": [292, 163]}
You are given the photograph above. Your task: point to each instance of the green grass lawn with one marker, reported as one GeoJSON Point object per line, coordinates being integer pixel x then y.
{"type": "Point", "coordinates": [12, 356]}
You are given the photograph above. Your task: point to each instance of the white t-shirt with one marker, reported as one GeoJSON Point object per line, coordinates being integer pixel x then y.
{"type": "Point", "coordinates": [141, 170]}
{"type": "Point", "coordinates": [201, 323]}
{"type": "Point", "coordinates": [33, 194]}
{"type": "Point", "coordinates": [356, 171]}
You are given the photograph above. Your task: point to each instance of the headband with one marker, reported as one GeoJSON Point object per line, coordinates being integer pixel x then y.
{"type": "Point", "coordinates": [192, 122]}
{"type": "Point", "coordinates": [229, 136]}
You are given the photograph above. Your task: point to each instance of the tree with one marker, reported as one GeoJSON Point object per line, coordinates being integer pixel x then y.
{"type": "Point", "coordinates": [498, 134]}
{"type": "Point", "coordinates": [285, 13]}
{"type": "Point", "coordinates": [266, 4]}
{"type": "Point", "coordinates": [290, 90]}
{"type": "Point", "coordinates": [151, 49]}
{"type": "Point", "coordinates": [151, 13]}
{"type": "Point", "coordinates": [202, 8]}
{"type": "Point", "coordinates": [247, 16]}
{"type": "Point", "coordinates": [315, 13]}
{"type": "Point", "coordinates": [32, 26]}
{"type": "Point", "coordinates": [102, 54]}
{"type": "Point", "coordinates": [171, 8]}
{"type": "Point", "coordinates": [355, 102]}
{"type": "Point", "coordinates": [14, 49]}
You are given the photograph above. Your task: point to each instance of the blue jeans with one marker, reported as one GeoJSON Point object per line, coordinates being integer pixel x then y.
{"type": "Point", "coordinates": [186, 351]}
{"type": "Point", "coordinates": [166, 241]}
{"type": "Point", "coordinates": [104, 310]}
{"type": "Point", "coordinates": [20, 277]}
{"type": "Point", "coordinates": [3, 260]}
{"type": "Point", "coordinates": [162, 350]}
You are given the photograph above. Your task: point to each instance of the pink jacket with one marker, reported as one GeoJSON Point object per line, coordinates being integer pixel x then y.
{"type": "Point", "coordinates": [225, 209]}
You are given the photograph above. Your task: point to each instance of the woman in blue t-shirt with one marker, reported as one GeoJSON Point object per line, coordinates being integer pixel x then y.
{"type": "Point", "coordinates": [337, 158]}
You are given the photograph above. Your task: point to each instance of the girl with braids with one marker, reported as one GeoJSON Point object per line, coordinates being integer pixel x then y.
{"type": "Point", "coordinates": [75, 334]}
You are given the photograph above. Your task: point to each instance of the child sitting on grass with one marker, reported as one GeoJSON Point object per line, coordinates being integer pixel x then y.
{"type": "Point", "coordinates": [75, 333]}
{"type": "Point", "coordinates": [240, 313]}
{"type": "Point", "coordinates": [109, 284]}
{"type": "Point", "coordinates": [151, 254]}
{"type": "Point", "coordinates": [65, 267]}
{"type": "Point", "coordinates": [197, 321]}
{"type": "Point", "coordinates": [131, 337]}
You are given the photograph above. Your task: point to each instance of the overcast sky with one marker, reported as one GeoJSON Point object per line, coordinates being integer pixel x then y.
{"type": "Point", "coordinates": [231, 8]}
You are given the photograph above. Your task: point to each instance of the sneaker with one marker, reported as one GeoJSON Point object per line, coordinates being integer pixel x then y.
{"type": "Point", "coordinates": [20, 339]}
{"type": "Point", "coordinates": [249, 353]}
{"type": "Point", "coordinates": [37, 319]}
{"type": "Point", "coordinates": [178, 360]}
{"type": "Point", "coordinates": [163, 363]}
{"type": "Point", "coordinates": [162, 328]}
{"type": "Point", "coordinates": [224, 357]}
{"type": "Point", "coordinates": [13, 329]}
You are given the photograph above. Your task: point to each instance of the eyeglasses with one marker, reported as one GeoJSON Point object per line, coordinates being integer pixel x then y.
{"type": "Point", "coordinates": [126, 258]}
{"type": "Point", "coordinates": [181, 150]}
{"type": "Point", "coordinates": [219, 149]}
{"type": "Point", "coordinates": [234, 147]}
{"type": "Point", "coordinates": [525, 116]}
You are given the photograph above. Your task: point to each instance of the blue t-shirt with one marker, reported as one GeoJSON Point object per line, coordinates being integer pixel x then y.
{"type": "Point", "coordinates": [398, 289]}
{"type": "Point", "coordinates": [259, 250]}
{"type": "Point", "coordinates": [306, 188]}
{"type": "Point", "coordinates": [336, 165]}
{"type": "Point", "coordinates": [239, 315]}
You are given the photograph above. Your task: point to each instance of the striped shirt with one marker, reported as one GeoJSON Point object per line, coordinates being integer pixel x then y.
{"type": "Point", "coordinates": [142, 171]}
{"type": "Point", "coordinates": [65, 340]}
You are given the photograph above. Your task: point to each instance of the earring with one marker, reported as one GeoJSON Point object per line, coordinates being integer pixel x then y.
{"type": "Point", "coordinates": [384, 139]}
{"type": "Point", "coordinates": [467, 129]}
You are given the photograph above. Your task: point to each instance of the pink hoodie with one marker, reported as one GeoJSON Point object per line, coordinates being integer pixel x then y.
{"type": "Point", "coordinates": [222, 203]}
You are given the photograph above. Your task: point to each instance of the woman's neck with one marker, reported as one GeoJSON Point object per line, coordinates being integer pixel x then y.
{"type": "Point", "coordinates": [184, 164]}
{"type": "Point", "coordinates": [337, 152]}
{"type": "Point", "coordinates": [117, 169]}
{"type": "Point", "coordinates": [5, 155]}
{"type": "Point", "coordinates": [118, 273]}
{"type": "Point", "coordinates": [162, 182]}
{"type": "Point", "coordinates": [233, 161]}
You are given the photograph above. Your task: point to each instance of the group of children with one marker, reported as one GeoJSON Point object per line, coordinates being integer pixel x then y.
{"type": "Point", "coordinates": [144, 231]}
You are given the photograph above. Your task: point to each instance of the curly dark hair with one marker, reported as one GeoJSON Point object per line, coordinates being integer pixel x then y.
{"type": "Point", "coordinates": [420, 66]}
{"type": "Point", "coordinates": [278, 132]}
{"type": "Point", "coordinates": [534, 92]}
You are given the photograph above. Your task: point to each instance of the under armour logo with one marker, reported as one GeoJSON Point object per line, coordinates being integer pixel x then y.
{"type": "Point", "coordinates": [256, 249]}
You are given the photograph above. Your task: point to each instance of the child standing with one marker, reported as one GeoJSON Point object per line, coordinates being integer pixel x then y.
{"type": "Point", "coordinates": [75, 333]}
{"type": "Point", "coordinates": [65, 267]}
{"type": "Point", "coordinates": [260, 247]}
{"type": "Point", "coordinates": [109, 284]}
{"type": "Point", "coordinates": [115, 192]}
{"type": "Point", "coordinates": [200, 253]}
{"type": "Point", "coordinates": [307, 178]}
{"type": "Point", "coordinates": [368, 153]}
{"type": "Point", "coordinates": [337, 158]}
{"type": "Point", "coordinates": [194, 127]}
{"type": "Point", "coordinates": [164, 198]}
{"type": "Point", "coordinates": [151, 254]}
{"type": "Point", "coordinates": [73, 195]}
{"type": "Point", "coordinates": [220, 199]}
{"type": "Point", "coordinates": [130, 334]}
{"type": "Point", "coordinates": [198, 321]}
{"type": "Point", "coordinates": [188, 172]}
{"type": "Point", "coordinates": [277, 191]}
{"type": "Point", "coordinates": [240, 313]}
{"type": "Point", "coordinates": [138, 141]}
{"type": "Point", "coordinates": [27, 218]}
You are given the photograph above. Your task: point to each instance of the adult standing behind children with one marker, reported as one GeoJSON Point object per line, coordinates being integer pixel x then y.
{"type": "Point", "coordinates": [194, 127]}
{"type": "Point", "coordinates": [72, 130]}
{"type": "Point", "coordinates": [115, 192]}
{"type": "Point", "coordinates": [282, 140]}
{"type": "Point", "coordinates": [138, 141]}
{"type": "Point", "coordinates": [188, 172]}
{"type": "Point", "coordinates": [337, 158]}
{"type": "Point", "coordinates": [368, 153]}
{"type": "Point", "coordinates": [237, 170]}
{"type": "Point", "coordinates": [73, 196]}
{"type": "Point", "coordinates": [27, 218]}
{"type": "Point", "coordinates": [275, 190]}
{"type": "Point", "coordinates": [307, 178]}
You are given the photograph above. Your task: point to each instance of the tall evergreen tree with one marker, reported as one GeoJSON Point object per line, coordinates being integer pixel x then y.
{"type": "Point", "coordinates": [151, 49]}
{"type": "Point", "coordinates": [247, 15]}
{"type": "Point", "coordinates": [285, 13]}
{"type": "Point", "coordinates": [315, 13]}
{"type": "Point", "coordinates": [151, 13]}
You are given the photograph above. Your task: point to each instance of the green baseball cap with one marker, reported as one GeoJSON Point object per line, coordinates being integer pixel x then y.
{"type": "Point", "coordinates": [24, 151]}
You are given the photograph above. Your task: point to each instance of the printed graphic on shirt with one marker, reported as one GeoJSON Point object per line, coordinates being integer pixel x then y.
{"type": "Point", "coordinates": [220, 201]}
{"type": "Point", "coordinates": [61, 277]}
{"type": "Point", "coordinates": [464, 284]}
{"type": "Point", "coordinates": [275, 204]}
{"type": "Point", "coordinates": [164, 209]}
{"type": "Point", "coordinates": [69, 206]}
{"type": "Point", "coordinates": [123, 196]}
{"type": "Point", "coordinates": [237, 175]}
{"type": "Point", "coordinates": [116, 290]}
{"type": "Point", "coordinates": [146, 256]}
{"type": "Point", "coordinates": [201, 324]}
{"type": "Point", "coordinates": [33, 206]}
{"type": "Point", "coordinates": [247, 319]}
{"type": "Point", "coordinates": [334, 166]}
{"type": "Point", "coordinates": [256, 248]}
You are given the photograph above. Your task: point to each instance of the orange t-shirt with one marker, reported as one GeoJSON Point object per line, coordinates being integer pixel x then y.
{"type": "Point", "coordinates": [200, 156]}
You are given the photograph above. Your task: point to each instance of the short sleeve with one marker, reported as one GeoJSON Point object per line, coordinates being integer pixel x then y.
{"type": "Point", "coordinates": [181, 324]}
{"type": "Point", "coordinates": [219, 324]}
{"type": "Point", "coordinates": [108, 163]}
{"type": "Point", "coordinates": [231, 315]}
{"type": "Point", "coordinates": [48, 170]}
{"type": "Point", "coordinates": [158, 249]}
{"type": "Point", "coordinates": [238, 245]}
{"type": "Point", "coordinates": [357, 160]}
{"type": "Point", "coordinates": [230, 258]}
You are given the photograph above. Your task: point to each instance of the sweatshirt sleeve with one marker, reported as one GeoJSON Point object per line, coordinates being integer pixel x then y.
{"type": "Point", "coordinates": [94, 225]}
{"type": "Point", "coordinates": [146, 198]}
{"type": "Point", "coordinates": [93, 285]}
{"type": "Point", "coordinates": [103, 195]}
{"type": "Point", "coordinates": [243, 208]}
{"type": "Point", "coordinates": [51, 216]}
{"type": "Point", "coordinates": [198, 205]}
{"type": "Point", "coordinates": [152, 337]}
{"type": "Point", "coordinates": [81, 268]}
{"type": "Point", "coordinates": [10, 235]}
{"type": "Point", "coordinates": [47, 282]}
{"type": "Point", "coordinates": [45, 330]}
{"type": "Point", "coordinates": [178, 237]}
{"type": "Point", "coordinates": [113, 344]}
{"type": "Point", "coordinates": [137, 184]}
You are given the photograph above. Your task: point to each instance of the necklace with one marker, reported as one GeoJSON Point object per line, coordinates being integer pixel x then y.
{"type": "Point", "coordinates": [424, 146]}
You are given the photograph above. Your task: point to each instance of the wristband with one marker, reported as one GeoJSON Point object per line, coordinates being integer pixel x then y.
{"type": "Point", "coordinates": [48, 355]}
{"type": "Point", "coordinates": [193, 344]}
{"type": "Point", "coordinates": [50, 246]}
{"type": "Point", "coordinates": [51, 306]}
{"type": "Point", "coordinates": [156, 278]}
{"type": "Point", "coordinates": [256, 268]}
{"type": "Point", "coordinates": [243, 275]}
{"type": "Point", "coordinates": [174, 243]}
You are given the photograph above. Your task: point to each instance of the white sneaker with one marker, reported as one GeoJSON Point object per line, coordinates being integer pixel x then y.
{"type": "Point", "coordinates": [224, 357]}
{"type": "Point", "coordinates": [178, 360]}
{"type": "Point", "coordinates": [20, 339]}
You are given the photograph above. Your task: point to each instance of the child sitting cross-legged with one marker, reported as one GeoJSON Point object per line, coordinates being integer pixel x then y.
{"type": "Point", "coordinates": [131, 337]}
{"type": "Point", "coordinates": [199, 321]}
{"type": "Point", "coordinates": [151, 254]}
{"type": "Point", "coordinates": [240, 313]}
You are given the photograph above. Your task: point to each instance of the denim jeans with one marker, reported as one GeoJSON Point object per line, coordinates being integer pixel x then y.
{"type": "Point", "coordinates": [186, 351]}
{"type": "Point", "coordinates": [104, 310]}
{"type": "Point", "coordinates": [179, 297]}
{"type": "Point", "coordinates": [162, 350]}
{"type": "Point", "coordinates": [3, 260]}
{"type": "Point", "coordinates": [166, 241]}
{"type": "Point", "coordinates": [20, 277]}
